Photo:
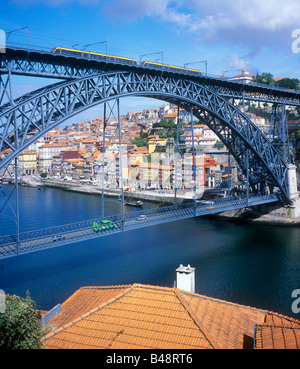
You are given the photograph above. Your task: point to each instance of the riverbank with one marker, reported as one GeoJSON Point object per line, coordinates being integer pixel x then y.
{"type": "Point", "coordinates": [165, 197]}
{"type": "Point", "coordinates": [248, 215]}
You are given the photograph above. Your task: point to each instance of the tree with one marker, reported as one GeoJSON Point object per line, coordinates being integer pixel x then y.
{"type": "Point", "coordinates": [20, 326]}
{"type": "Point", "coordinates": [140, 142]}
{"type": "Point", "coordinates": [266, 78]}
{"type": "Point", "coordinates": [289, 83]}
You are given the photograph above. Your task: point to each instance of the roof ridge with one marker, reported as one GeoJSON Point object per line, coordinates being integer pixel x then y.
{"type": "Point", "coordinates": [272, 325]}
{"type": "Point", "coordinates": [235, 304]}
{"type": "Point", "coordinates": [90, 312]}
{"type": "Point", "coordinates": [149, 286]}
{"type": "Point", "coordinates": [93, 287]}
{"type": "Point", "coordinates": [278, 315]}
{"type": "Point", "coordinates": [185, 304]}
{"type": "Point", "coordinates": [106, 287]}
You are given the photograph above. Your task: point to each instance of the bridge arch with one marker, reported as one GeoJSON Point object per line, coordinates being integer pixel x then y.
{"type": "Point", "coordinates": [46, 108]}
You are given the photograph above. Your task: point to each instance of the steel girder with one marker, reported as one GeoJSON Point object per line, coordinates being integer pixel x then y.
{"type": "Point", "coordinates": [253, 93]}
{"type": "Point", "coordinates": [41, 111]}
{"type": "Point", "coordinates": [46, 69]}
{"type": "Point", "coordinates": [48, 65]}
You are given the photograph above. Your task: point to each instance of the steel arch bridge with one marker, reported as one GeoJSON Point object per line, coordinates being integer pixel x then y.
{"type": "Point", "coordinates": [42, 110]}
{"type": "Point", "coordinates": [85, 83]}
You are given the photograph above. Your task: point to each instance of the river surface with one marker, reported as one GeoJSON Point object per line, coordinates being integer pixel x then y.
{"type": "Point", "coordinates": [253, 265]}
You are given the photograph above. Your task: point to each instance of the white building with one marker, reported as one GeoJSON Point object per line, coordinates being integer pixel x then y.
{"type": "Point", "coordinates": [46, 153]}
{"type": "Point", "coordinates": [244, 77]}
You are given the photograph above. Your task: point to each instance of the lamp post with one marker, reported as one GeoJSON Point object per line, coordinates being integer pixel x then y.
{"type": "Point", "coordinates": [156, 53]}
{"type": "Point", "coordinates": [96, 43]}
{"type": "Point", "coordinates": [200, 62]}
{"type": "Point", "coordinates": [15, 30]}
{"type": "Point", "coordinates": [232, 70]}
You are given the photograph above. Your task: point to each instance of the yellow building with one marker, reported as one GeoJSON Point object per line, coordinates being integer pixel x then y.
{"type": "Point", "coordinates": [157, 175]}
{"type": "Point", "coordinates": [28, 162]}
{"type": "Point", "coordinates": [154, 142]}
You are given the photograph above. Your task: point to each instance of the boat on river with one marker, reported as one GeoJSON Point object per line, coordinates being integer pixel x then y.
{"type": "Point", "coordinates": [138, 203]}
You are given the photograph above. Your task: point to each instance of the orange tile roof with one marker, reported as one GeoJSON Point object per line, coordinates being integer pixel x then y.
{"type": "Point", "coordinates": [278, 332]}
{"type": "Point", "coordinates": [139, 316]}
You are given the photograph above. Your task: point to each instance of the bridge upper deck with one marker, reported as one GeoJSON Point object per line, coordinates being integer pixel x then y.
{"type": "Point", "coordinates": [47, 64]}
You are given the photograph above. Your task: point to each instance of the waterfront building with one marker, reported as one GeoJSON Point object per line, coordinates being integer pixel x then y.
{"type": "Point", "coordinates": [27, 162]}
{"type": "Point", "coordinates": [46, 153]}
{"type": "Point", "coordinates": [158, 176]}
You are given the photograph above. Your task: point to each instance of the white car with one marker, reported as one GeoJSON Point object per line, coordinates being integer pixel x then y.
{"type": "Point", "coordinates": [141, 218]}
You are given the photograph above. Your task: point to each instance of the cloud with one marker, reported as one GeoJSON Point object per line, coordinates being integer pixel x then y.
{"type": "Point", "coordinates": [236, 62]}
{"type": "Point", "coordinates": [252, 23]}
{"type": "Point", "coordinates": [134, 9]}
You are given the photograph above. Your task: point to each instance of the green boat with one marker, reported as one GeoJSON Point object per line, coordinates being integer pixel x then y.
{"type": "Point", "coordinates": [103, 225]}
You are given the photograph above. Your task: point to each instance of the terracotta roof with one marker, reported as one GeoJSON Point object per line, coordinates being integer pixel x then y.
{"type": "Point", "coordinates": [278, 332]}
{"type": "Point", "coordinates": [140, 317]}
{"type": "Point", "coordinates": [279, 79]}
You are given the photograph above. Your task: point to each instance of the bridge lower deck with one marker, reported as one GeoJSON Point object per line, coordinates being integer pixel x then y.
{"type": "Point", "coordinates": [77, 232]}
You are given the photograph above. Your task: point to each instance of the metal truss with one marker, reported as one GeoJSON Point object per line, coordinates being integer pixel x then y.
{"type": "Point", "coordinates": [43, 239]}
{"type": "Point", "coordinates": [256, 93]}
{"type": "Point", "coordinates": [279, 131]}
{"type": "Point", "coordinates": [5, 90]}
{"type": "Point", "coordinates": [48, 65]}
{"type": "Point", "coordinates": [41, 111]}
{"type": "Point", "coordinates": [45, 68]}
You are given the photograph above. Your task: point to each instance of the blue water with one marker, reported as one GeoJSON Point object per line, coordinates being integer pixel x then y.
{"type": "Point", "coordinates": [253, 265]}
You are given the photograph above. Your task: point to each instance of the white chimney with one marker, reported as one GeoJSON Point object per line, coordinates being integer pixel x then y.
{"type": "Point", "coordinates": [185, 278]}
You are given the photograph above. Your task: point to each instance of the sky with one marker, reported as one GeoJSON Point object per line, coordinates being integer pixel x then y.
{"type": "Point", "coordinates": [263, 36]}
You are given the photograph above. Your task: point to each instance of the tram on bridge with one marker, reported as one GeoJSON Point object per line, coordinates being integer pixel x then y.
{"type": "Point", "coordinates": [119, 59]}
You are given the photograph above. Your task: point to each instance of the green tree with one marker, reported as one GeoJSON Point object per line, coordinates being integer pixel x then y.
{"type": "Point", "coordinates": [289, 83]}
{"type": "Point", "coordinates": [20, 326]}
{"type": "Point", "coordinates": [266, 78]}
{"type": "Point", "coordinates": [140, 142]}
{"type": "Point", "coordinates": [219, 145]}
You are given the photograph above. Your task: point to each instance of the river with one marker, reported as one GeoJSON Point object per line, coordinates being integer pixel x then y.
{"type": "Point", "coordinates": [253, 265]}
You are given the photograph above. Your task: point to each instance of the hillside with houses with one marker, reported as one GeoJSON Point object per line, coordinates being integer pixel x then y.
{"type": "Point", "coordinates": [78, 152]}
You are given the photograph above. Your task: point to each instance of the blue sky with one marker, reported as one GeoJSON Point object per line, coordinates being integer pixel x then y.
{"type": "Point", "coordinates": [229, 34]}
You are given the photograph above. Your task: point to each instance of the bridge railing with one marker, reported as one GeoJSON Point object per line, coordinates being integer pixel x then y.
{"type": "Point", "coordinates": [215, 204]}
{"type": "Point", "coordinates": [80, 231]}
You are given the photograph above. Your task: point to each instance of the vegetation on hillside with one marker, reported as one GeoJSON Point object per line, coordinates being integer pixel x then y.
{"type": "Point", "coordinates": [268, 79]}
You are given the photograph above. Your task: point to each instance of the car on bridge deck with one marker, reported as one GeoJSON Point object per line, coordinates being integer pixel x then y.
{"type": "Point", "coordinates": [104, 225]}
{"type": "Point", "coordinates": [141, 218]}
{"type": "Point", "coordinates": [58, 237]}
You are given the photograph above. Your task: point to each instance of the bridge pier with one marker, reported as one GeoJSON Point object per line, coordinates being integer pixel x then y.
{"type": "Point", "coordinates": [292, 182]}
{"type": "Point", "coordinates": [266, 214]}
{"type": "Point", "coordinates": [294, 207]}
{"type": "Point", "coordinates": [274, 213]}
